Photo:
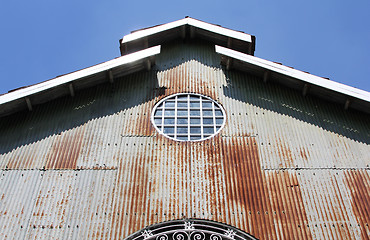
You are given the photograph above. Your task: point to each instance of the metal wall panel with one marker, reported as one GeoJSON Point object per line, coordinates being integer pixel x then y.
{"type": "Point", "coordinates": [284, 166]}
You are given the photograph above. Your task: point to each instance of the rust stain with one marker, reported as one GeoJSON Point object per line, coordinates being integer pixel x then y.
{"type": "Point", "coordinates": [303, 154]}
{"type": "Point", "coordinates": [358, 185]}
{"type": "Point", "coordinates": [272, 200]}
{"type": "Point", "coordinates": [285, 154]}
{"type": "Point", "coordinates": [244, 185]}
{"type": "Point", "coordinates": [66, 149]}
{"type": "Point", "coordinates": [152, 176]}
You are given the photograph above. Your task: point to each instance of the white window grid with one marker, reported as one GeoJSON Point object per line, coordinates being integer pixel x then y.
{"type": "Point", "coordinates": [188, 117]}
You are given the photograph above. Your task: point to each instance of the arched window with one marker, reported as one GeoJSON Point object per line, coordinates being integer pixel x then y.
{"type": "Point", "coordinates": [190, 229]}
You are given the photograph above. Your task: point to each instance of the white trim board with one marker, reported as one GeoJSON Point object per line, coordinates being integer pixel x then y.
{"type": "Point", "coordinates": [305, 77]}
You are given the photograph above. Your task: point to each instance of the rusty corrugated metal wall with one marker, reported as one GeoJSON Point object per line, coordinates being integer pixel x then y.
{"type": "Point", "coordinates": [93, 166]}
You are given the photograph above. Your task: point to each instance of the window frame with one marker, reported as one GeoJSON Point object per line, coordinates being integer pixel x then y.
{"type": "Point", "coordinates": [193, 114]}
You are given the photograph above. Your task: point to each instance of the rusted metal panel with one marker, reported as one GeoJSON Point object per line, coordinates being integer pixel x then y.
{"type": "Point", "coordinates": [328, 203]}
{"type": "Point", "coordinates": [73, 205]}
{"type": "Point", "coordinates": [358, 183]}
{"type": "Point", "coordinates": [17, 197]}
{"type": "Point", "coordinates": [106, 170]}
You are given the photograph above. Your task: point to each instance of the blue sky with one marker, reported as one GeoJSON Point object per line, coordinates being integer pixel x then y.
{"type": "Point", "coordinates": [43, 39]}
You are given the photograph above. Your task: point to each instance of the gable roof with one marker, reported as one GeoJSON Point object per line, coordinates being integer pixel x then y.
{"type": "Point", "coordinates": [187, 28]}
{"type": "Point", "coordinates": [236, 50]}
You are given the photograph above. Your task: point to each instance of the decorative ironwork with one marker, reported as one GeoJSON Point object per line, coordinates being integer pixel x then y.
{"type": "Point", "coordinates": [230, 233]}
{"type": "Point", "coordinates": [190, 229]}
{"type": "Point", "coordinates": [189, 226]}
{"type": "Point", "coordinates": [147, 234]}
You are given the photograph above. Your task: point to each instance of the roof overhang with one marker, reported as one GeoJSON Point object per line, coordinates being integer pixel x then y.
{"type": "Point", "coordinates": [187, 28]}
{"type": "Point", "coordinates": [67, 84]}
{"type": "Point", "coordinates": [292, 78]}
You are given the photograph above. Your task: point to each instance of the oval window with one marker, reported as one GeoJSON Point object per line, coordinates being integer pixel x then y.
{"type": "Point", "coordinates": [188, 117]}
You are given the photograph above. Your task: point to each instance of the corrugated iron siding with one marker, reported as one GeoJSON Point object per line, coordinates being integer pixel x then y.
{"type": "Point", "coordinates": [92, 166]}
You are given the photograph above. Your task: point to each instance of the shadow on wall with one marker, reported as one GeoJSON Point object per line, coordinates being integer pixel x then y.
{"type": "Point", "coordinates": [284, 101]}
{"type": "Point", "coordinates": [127, 93]}
{"type": "Point", "coordinates": [142, 88]}
{"type": "Point", "coordinates": [63, 114]}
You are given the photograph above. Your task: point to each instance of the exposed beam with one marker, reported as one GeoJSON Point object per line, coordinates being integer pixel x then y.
{"type": "Point", "coordinates": [305, 89]}
{"type": "Point", "coordinates": [347, 104]}
{"type": "Point", "coordinates": [183, 31]}
{"type": "Point", "coordinates": [229, 62]}
{"type": "Point", "coordinates": [29, 104]}
{"type": "Point", "coordinates": [229, 42]}
{"type": "Point", "coordinates": [110, 76]}
{"type": "Point", "coordinates": [146, 43]}
{"type": "Point", "coordinates": [71, 90]}
{"type": "Point", "coordinates": [192, 32]}
{"type": "Point", "coordinates": [148, 64]}
{"type": "Point", "coordinates": [266, 76]}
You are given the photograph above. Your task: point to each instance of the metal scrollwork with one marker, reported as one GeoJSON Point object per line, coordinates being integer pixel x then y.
{"type": "Point", "coordinates": [190, 229]}
{"type": "Point", "coordinates": [215, 237]}
{"type": "Point", "coordinates": [197, 235]}
{"type": "Point", "coordinates": [162, 237]}
{"type": "Point", "coordinates": [180, 236]}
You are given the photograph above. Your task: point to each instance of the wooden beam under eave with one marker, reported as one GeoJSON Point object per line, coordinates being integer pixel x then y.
{"type": "Point", "coordinates": [305, 89]}
{"type": "Point", "coordinates": [266, 76]}
{"type": "Point", "coordinates": [71, 90]}
{"type": "Point", "coordinates": [347, 104]}
{"type": "Point", "coordinates": [29, 104]}
{"type": "Point", "coordinates": [148, 64]}
{"type": "Point", "coordinates": [110, 76]}
{"type": "Point", "coordinates": [229, 42]}
{"type": "Point", "coordinates": [192, 32]}
{"type": "Point", "coordinates": [146, 42]}
{"type": "Point", "coordinates": [183, 31]}
{"type": "Point", "coordinates": [229, 62]}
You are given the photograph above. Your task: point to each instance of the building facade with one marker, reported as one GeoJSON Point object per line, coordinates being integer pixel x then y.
{"type": "Point", "coordinates": [186, 135]}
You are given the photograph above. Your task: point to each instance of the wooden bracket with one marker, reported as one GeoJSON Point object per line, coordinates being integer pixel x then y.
{"type": "Point", "coordinates": [110, 76]}
{"type": "Point", "coordinates": [71, 90]}
{"type": "Point", "coordinates": [148, 64]}
{"type": "Point", "coordinates": [229, 62]}
{"type": "Point", "coordinates": [305, 89]}
{"type": "Point", "coordinates": [266, 76]}
{"type": "Point", "coordinates": [183, 31]}
{"type": "Point", "coordinates": [192, 32]}
{"type": "Point", "coordinates": [229, 42]}
{"type": "Point", "coordinates": [29, 104]}
{"type": "Point", "coordinates": [347, 104]}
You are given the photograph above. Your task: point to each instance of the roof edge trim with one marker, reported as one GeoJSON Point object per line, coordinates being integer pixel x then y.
{"type": "Point", "coordinates": [294, 73]}
{"type": "Point", "coordinates": [24, 92]}
{"type": "Point", "coordinates": [187, 21]}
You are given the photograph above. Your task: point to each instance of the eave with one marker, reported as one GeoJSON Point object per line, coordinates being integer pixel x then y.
{"type": "Point", "coordinates": [323, 88]}
{"type": "Point", "coordinates": [68, 84]}
{"type": "Point", "coordinates": [187, 28]}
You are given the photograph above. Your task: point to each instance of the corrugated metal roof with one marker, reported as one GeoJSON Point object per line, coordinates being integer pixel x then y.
{"type": "Point", "coordinates": [284, 166]}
